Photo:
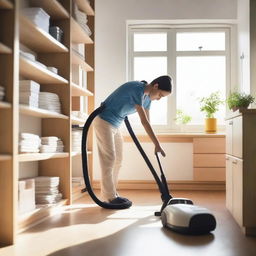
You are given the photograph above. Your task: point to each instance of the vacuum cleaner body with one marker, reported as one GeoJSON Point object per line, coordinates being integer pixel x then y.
{"type": "Point", "coordinates": [188, 219]}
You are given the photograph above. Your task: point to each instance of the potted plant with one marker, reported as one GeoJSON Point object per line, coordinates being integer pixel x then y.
{"type": "Point", "coordinates": [182, 118]}
{"type": "Point", "coordinates": [239, 100]}
{"type": "Point", "coordinates": [210, 105]}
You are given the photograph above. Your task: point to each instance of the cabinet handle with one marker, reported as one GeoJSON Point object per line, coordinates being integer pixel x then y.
{"type": "Point", "coordinates": [230, 122]}
{"type": "Point", "coordinates": [234, 161]}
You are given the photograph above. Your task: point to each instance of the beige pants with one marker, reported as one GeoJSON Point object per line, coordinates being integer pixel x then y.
{"type": "Point", "coordinates": [110, 148]}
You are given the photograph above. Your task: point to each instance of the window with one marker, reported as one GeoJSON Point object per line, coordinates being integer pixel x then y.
{"type": "Point", "coordinates": [197, 60]}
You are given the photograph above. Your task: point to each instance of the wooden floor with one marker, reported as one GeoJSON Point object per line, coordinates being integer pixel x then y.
{"type": "Point", "coordinates": [86, 229]}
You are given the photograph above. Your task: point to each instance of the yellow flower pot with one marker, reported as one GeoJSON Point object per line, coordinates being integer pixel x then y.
{"type": "Point", "coordinates": [210, 125]}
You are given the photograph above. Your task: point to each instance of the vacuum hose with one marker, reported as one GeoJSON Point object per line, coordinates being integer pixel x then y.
{"type": "Point", "coordinates": [85, 165]}
{"type": "Point", "coordinates": [163, 189]}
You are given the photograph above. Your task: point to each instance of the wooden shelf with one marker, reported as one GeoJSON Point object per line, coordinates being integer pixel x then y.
{"type": "Point", "coordinates": [4, 104]}
{"type": "Point", "coordinates": [79, 91]}
{"type": "Point", "coordinates": [79, 153]}
{"type": "Point", "coordinates": [85, 6]}
{"type": "Point", "coordinates": [29, 219]}
{"type": "Point", "coordinates": [5, 157]}
{"type": "Point", "coordinates": [77, 121]}
{"type": "Point", "coordinates": [53, 8]}
{"type": "Point", "coordinates": [76, 154]}
{"type": "Point", "coordinates": [28, 157]}
{"type": "Point", "coordinates": [37, 39]}
{"type": "Point", "coordinates": [6, 4]}
{"type": "Point", "coordinates": [78, 34]}
{"type": "Point", "coordinates": [79, 61]}
{"type": "Point", "coordinates": [39, 112]}
{"type": "Point", "coordinates": [5, 49]}
{"type": "Point", "coordinates": [31, 70]}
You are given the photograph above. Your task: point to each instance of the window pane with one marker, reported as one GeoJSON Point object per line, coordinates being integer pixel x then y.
{"type": "Point", "coordinates": [149, 68]}
{"type": "Point", "coordinates": [198, 77]}
{"type": "Point", "coordinates": [150, 42]}
{"type": "Point", "coordinates": [203, 41]}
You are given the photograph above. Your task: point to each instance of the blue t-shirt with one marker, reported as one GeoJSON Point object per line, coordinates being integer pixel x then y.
{"type": "Point", "coordinates": [122, 102]}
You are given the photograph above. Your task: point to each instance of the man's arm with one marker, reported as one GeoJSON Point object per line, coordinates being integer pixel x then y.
{"type": "Point", "coordinates": [145, 122]}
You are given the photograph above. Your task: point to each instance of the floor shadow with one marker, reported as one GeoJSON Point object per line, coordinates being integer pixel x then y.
{"type": "Point", "coordinates": [143, 237]}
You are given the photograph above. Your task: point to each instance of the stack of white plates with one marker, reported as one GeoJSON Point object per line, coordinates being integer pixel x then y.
{"type": "Point", "coordinates": [51, 144]}
{"type": "Point", "coordinates": [29, 93]}
{"type": "Point", "coordinates": [47, 190]}
{"type": "Point", "coordinates": [2, 93]}
{"type": "Point", "coordinates": [29, 143]}
{"type": "Point", "coordinates": [76, 140]}
{"type": "Point", "coordinates": [49, 101]}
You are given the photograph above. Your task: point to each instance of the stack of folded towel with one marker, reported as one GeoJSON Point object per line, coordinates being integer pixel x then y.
{"type": "Point", "coordinates": [51, 144]}
{"type": "Point", "coordinates": [49, 101]}
{"type": "Point", "coordinates": [47, 190]}
{"type": "Point", "coordinates": [29, 93]}
{"type": "Point", "coordinates": [2, 93]}
{"type": "Point", "coordinates": [81, 18]}
{"type": "Point", "coordinates": [76, 140]}
{"type": "Point", "coordinates": [29, 143]}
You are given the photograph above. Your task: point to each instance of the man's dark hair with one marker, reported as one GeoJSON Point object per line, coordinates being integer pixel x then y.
{"type": "Point", "coordinates": [164, 83]}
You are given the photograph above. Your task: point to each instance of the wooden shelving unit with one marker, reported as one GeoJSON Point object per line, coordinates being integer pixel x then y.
{"type": "Point", "coordinates": [79, 91]}
{"type": "Point", "coordinates": [5, 104]}
{"type": "Point", "coordinates": [79, 61]}
{"type": "Point", "coordinates": [78, 34]}
{"type": "Point", "coordinates": [37, 39]}
{"type": "Point", "coordinates": [27, 157]}
{"type": "Point", "coordinates": [53, 8]}
{"type": "Point", "coordinates": [5, 157]}
{"type": "Point", "coordinates": [18, 33]}
{"type": "Point", "coordinates": [34, 71]}
{"type": "Point", "coordinates": [76, 120]}
{"type": "Point", "coordinates": [5, 49]}
{"type": "Point", "coordinates": [6, 4]}
{"type": "Point", "coordinates": [41, 113]}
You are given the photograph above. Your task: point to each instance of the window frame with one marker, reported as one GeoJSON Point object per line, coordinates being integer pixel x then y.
{"type": "Point", "coordinates": [172, 55]}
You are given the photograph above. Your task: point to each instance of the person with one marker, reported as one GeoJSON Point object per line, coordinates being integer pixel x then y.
{"type": "Point", "coordinates": [131, 97]}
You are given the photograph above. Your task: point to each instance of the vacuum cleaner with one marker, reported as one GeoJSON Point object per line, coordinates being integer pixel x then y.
{"type": "Point", "coordinates": [177, 214]}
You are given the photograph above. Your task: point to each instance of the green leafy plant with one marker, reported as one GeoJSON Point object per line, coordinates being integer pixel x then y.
{"type": "Point", "coordinates": [238, 100]}
{"type": "Point", "coordinates": [210, 105]}
{"type": "Point", "coordinates": [182, 118]}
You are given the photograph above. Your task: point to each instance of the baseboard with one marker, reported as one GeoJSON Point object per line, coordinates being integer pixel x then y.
{"type": "Point", "coordinates": [173, 185]}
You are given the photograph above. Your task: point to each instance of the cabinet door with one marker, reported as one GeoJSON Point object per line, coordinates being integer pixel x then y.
{"type": "Point", "coordinates": [229, 128]}
{"type": "Point", "coordinates": [237, 173]}
{"type": "Point", "coordinates": [237, 139]}
{"type": "Point", "coordinates": [229, 184]}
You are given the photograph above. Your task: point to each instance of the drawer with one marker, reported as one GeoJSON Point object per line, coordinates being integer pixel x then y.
{"type": "Point", "coordinates": [209, 174]}
{"type": "Point", "coordinates": [209, 160]}
{"type": "Point", "coordinates": [209, 145]}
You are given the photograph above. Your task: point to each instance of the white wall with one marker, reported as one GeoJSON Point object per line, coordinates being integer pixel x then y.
{"type": "Point", "coordinates": [243, 45]}
{"type": "Point", "coordinates": [110, 60]}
